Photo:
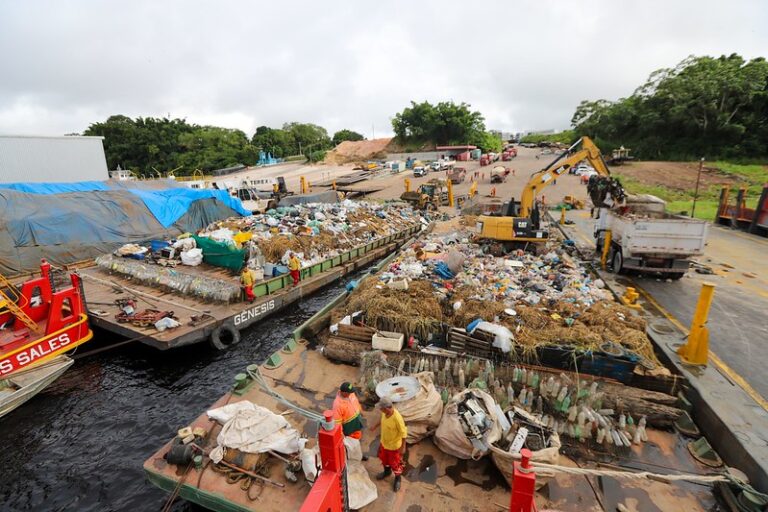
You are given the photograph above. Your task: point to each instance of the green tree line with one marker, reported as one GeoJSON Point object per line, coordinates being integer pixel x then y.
{"type": "Point", "coordinates": [703, 107]}
{"type": "Point", "coordinates": [150, 145]}
{"type": "Point", "coordinates": [446, 123]}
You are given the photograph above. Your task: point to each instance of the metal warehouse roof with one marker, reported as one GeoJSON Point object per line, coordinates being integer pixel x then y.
{"type": "Point", "coordinates": [25, 158]}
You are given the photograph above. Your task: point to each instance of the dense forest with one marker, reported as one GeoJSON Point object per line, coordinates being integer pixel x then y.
{"type": "Point", "coordinates": [151, 145]}
{"type": "Point", "coordinates": [447, 123]}
{"type": "Point", "coordinates": [703, 107]}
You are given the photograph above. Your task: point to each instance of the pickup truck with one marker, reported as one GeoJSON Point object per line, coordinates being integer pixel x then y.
{"type": "Point", "coordinates": [646, 239]}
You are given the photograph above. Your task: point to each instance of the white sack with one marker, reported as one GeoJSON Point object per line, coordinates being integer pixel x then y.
{"type": "Point", "coordinates": [450, 436]}
{"type": "Point", "coordinates": [192, 257]}
{"type": "Point", "coordinates": [362, 490]}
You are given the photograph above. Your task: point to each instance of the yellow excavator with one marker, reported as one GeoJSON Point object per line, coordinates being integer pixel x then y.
{"type": "Point", "coordinates": [521, 221]}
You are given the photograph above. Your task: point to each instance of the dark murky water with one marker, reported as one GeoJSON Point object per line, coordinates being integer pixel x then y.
{"type": "Point", "coordinates": [80, 444]}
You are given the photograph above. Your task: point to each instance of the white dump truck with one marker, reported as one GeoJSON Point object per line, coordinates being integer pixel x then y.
{"type": "Point", "coordinates": [646, 239]}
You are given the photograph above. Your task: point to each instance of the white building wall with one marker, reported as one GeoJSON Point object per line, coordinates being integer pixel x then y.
{"type": "Point", "coordinates": [30, 159]}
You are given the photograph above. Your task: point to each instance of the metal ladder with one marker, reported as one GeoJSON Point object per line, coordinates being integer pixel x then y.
{"type": "Point", "coordinates": [8, 303]}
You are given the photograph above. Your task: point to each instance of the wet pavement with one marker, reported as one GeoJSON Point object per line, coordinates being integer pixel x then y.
{"type": "Point", "coordinates": [80, 444]}
{"type": "Point", "coordinates": [737, 320]}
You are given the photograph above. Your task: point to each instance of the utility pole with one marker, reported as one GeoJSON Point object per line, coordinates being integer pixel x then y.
{"type": "Point", "coordinates": [696, 192]}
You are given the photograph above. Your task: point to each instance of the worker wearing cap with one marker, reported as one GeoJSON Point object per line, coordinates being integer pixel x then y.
{"type": "Point", "coordinates": [347, 411]}
{"type": "Point", "coordinates": [247, 279]}
{"type": "Point", "coordinates": [392, 446]}
{"type": "Point", "coordinates": [293, 266]}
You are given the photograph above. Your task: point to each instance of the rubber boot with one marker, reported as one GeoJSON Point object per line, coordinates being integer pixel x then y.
{"type": "Point", "coordinates": [396, 485]}
{"type": "Point", "coordinates": [384, 474]}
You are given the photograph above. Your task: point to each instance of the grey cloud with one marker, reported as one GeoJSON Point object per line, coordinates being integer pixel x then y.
{"type": "Point", "coordinates": [524, 64]}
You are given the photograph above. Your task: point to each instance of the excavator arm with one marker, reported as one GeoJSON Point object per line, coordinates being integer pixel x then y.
{"type": "Point", "coordinates": [559, 166]}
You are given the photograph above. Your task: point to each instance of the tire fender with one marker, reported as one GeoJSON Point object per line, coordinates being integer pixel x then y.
{"type": "Point", "coordinates": [228, 331]}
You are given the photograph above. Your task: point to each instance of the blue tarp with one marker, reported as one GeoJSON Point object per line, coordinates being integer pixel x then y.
{"type": "Point", "coordinates": [167, 205]}
{"type": "Point", "coordinates": [56, 188]}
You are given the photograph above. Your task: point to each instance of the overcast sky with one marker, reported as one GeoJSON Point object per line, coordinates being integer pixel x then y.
{"type": "Point", "coordinates": [241, 64]}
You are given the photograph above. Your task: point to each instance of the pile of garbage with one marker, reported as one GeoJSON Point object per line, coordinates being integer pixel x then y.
{"type": "Point", "coordinates": [530, 300]}
{"type": "Point", "coordinates": [313, 232]}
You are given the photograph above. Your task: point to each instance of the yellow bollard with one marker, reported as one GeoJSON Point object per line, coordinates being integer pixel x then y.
{"type": "Point", "coordinates": [303, 181]}
{"type": "Point", "coordinates": [473, 189]}
{"type": "Point", "coordinates": [309, 186]}
{"type": "Point", "coordinates": [407, 185]}
{"type": "Point", "coordinates": [562, 216]}
{"type": "Point", "coordinates": [450, 193]}
{"type": "Point", "coordinates": [606, 248]}
{"type": "Point", "coordinates": [275, 188]}
{"type": "Point", "coordinates": [334, 184]}
{"type": "Point", "coordinates": [696, 350]}
{"type": "Point", "coordinates": [630, 297]}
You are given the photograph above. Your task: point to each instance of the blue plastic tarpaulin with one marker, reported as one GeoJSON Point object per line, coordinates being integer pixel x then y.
{"type": "Point", "coordinates": [167, 205]}
{"type": "Point", "coordinates": [56, 188]}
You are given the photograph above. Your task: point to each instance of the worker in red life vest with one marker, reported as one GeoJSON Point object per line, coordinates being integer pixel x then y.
{"type": "Point", "coordinates": [392, 447]}
{"type": "Point", "coordinates": [347, 411]}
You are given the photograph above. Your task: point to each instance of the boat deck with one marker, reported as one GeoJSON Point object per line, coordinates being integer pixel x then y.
{"type": "Point", "coordinates": [433, 480]}
{"type": "Point", "coordinates": [102, 288]}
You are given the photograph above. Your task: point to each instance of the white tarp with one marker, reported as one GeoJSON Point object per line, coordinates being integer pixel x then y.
{"type": "Point", "coordinates": [256, 430]}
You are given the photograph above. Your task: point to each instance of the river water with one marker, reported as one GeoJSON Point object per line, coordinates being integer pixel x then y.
{"type": "Point", "coordinates": [81, 443]}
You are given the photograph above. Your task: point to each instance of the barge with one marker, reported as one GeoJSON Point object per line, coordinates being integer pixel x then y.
{"type": "Point", "coordinates": [668, 471]}
{"type": "Point", "coordinates": [220, 323]}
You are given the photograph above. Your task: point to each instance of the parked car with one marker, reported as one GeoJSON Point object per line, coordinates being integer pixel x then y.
{"type": "Point", "coordinates": [580, 169]}
{"type": "Point", "coordinates": [419, 171]}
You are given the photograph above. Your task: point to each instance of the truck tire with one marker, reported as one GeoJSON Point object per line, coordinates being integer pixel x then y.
{"type": "Point", "coordinates": [676, 276]}
{"type": "Point", "coordinates": [224, 336]}
{"type": "Point", "coordinates": [618, 262]}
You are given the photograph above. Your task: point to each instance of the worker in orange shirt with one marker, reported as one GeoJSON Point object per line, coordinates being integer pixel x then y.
{"type": "Point", "coordinates": [347, 412]}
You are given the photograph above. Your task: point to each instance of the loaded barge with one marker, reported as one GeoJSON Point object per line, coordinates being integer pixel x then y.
{"type": "Point", "coordinates": [219, 323]}
{"type": "Point", "coordinates": [616, 447]}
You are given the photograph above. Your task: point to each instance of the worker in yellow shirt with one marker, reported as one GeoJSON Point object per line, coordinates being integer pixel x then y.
{"type": "Point", "coordinates": [247, 280]}
{"type": "Point", "coordinates": [294, 265]}
{"type": "Point", "coordinates": [392, 446]}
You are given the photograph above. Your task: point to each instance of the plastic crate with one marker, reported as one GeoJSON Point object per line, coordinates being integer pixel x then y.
{"type": "Point", "coordinates": [388, 341]}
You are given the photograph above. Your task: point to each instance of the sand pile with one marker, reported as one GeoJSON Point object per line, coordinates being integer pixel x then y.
{"type": "Point", "coordinates": [358, 151]}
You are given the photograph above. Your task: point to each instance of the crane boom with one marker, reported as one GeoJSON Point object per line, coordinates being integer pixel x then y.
{"type": "Point", "coordinates": [560, 165]}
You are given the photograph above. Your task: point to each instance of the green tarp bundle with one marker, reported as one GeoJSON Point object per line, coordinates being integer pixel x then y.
{"type": "Point", "coordinates": [220, 254]}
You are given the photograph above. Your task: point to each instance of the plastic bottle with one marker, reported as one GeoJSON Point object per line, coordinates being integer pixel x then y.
{"type": "Point", "coordinates": [572, 413]}
{"type": "Point", "coordinates": [521, 397]}
{"type": "Point", "coordinates": [515, 374]}
{"type": "Point", "coordinates": [536, 380]}
{"type": "Point", "coordinates": [550, 387]}
{"type": "Point", "coordinates": [600, 436]}
{"type": "Point", "coordinates": [539, 405]}
{"type": "Point", "coordinates": [566, 403]}
{"type": "Point", "coordinates": [524, 377]}
{"type": "Point", "coordinates": [510, 394]}
{"type": "Point", "coordinates": [462, 381]}
{"type": "Point", "coordinates": [641, 428]}
{"type": "Point", "coordinates": [622, 421]}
